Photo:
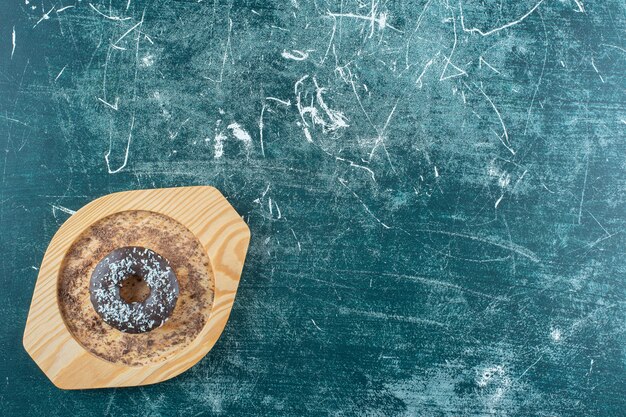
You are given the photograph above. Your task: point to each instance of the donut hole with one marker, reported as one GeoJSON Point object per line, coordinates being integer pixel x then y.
{"type": "Point", "coordinates": [133, 289]}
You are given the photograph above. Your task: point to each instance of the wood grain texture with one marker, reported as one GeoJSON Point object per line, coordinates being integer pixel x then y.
{"type": "Point", "coordinates": [220, 230]}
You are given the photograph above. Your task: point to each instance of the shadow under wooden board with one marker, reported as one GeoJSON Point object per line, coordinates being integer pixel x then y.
{"type": "Point", "coordinates": [223, 236]}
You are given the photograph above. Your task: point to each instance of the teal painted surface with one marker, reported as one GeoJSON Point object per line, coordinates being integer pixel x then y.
{"type": "Point", "coordinates": [435, 191]}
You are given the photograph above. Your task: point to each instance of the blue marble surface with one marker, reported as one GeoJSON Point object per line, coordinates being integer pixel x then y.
{"type": "Point", "coordinates": [435, 190]}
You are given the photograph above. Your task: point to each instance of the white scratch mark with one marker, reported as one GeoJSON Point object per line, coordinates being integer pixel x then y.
{"type": "Point", "coordinates": [543, 67]}
{"type": "Point", "coordinates": [295, 54]}
{"type": "Point", "coordinates": [285, 102]}
{"type": "Point", "coordinates": [449, 57]}
{"type": "Point", "coordinates": [417, 26]}
{"type": "Point", "coordinates": [593, 64]}
{"type": "Point", "coordinates": [602, 239]}
{"type": "Point", "coordinates": [547, 189]}
{"type": "Point", "coordinates": [614, 47]}
{"type": "Point", "coordinates": [64, 8]}
{"type": "Point", "coordinates": [219, 145]}
{"type": "Point", "coordinates": [307, 135]}
{"type": "Point", "coordinates": [505, 140]}
{"type": "Point", "coordinates": [352, 164]}
{"type": "Point", "coordinates": [345, 184]}
{"type": "Point", "coordinates": [266, 190]}
{"type": "Point", "coordinates": [581, 6]}
{"type": "Point", "coordinates": [114, 18]}
{"type": "Point", "coordinates": [261, 130]}
{"type": "Point", "coordinates": [35, 268]}
{"type": "Point", "coordinates": [106, 156]}
{"type": "Point", "coordinates": [113, 106]}
{"type": "Point", "coordinates": [599, 224]}
{"type": "Point", "coordinates": [481, 61]}
{"type": "Point", "coordinates": [239, 133]}
{"type": "Point", "coordinates": [582, 194]}
{"type": "Point", "coordinates": [60, 72]}
{"type": "Point", "coordinates": [225, 56]}
{"type": "Point", "coordinates": [61, 208]}
{"type": "Point", "coordinates": [508, 25]}
{"type": "Point", "coordinates": [418, 82]}
{"type": "Point", "coordinates": [380, 139]}
{"type": "Point", "coordinates": [330, 42]}
{"type": "Point", "coordinates": [381, 20]}
{"type": "Point", "coordinates": [297, 241]}
{"type": "Point", "coordinates": [520, 250]}
{"type": "Point", "coordinates": [337, 118]}
{"type": "Point", "coordinates": [175, 134]}
{"type": "Point", "coordinates": [46, 16]}
{"type": "Point", "coordinates": [528, 369]}
{"type": "Point", "coordinates": [277, 209]}
{"type": "Point", "coordinates": [499, 200]}
{"type": "Point", "coordinates": [316, 326]}
{"type": "Point", "coordinates": [387, 317]}
{"type": "Point", "coordinates": [261, 122]}
{"type": "Point", "coordinates": [13, 42]}
{"type": "Point", "coordinates": [128, 31]}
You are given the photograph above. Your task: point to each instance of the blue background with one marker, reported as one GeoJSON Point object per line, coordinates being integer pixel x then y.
{"type": "Point", "coordinates": [435, 191]}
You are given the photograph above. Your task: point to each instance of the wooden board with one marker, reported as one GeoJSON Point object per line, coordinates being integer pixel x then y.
{"type": "Point", "coordinates": [220, 230]}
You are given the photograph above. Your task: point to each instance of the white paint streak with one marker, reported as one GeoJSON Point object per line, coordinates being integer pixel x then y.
{"type": "Point", "coordinates": [239, 133]}
{"type": "Point", "coordinates": [219, 145]}
{"type": "Point", "coordinates": [13, 42]}
{"type": "Point", "coordinates": [295, 54]}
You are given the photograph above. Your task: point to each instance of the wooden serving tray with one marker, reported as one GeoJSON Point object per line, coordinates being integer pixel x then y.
{"type": "Point", "coordinates": [220, 230]}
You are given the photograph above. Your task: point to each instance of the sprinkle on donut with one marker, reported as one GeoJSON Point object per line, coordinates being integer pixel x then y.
{"type": "Point", "coordinates": [134, 317]}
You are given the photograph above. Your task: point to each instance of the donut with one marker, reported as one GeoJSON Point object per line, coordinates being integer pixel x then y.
{"type": "Point", "coordinates": [144, 265]}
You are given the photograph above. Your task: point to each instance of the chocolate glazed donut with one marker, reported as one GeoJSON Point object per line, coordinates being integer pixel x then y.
{"type": "Point", "coordinates": [149, 266]}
